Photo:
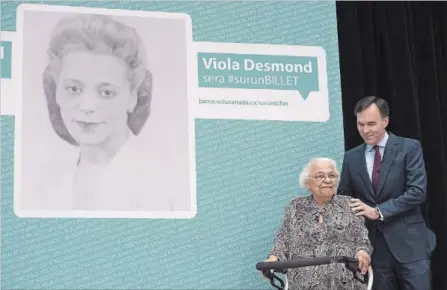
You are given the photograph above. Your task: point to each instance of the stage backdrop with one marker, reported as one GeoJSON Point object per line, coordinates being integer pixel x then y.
{"type": "Point", "coordinates": [238, 97]}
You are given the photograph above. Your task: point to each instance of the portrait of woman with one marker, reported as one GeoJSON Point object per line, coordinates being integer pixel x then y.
{"type": "Point", "coordinates": [98, 91]}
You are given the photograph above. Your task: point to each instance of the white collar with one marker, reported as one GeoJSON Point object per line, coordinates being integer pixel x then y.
{"type": "Point", "coordinates": [381, 143]}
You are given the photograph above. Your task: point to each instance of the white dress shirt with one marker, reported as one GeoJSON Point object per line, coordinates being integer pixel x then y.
{"type": "Point", "coordinates": [370, 152]}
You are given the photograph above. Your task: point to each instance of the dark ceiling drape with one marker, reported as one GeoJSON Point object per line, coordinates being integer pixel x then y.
{"type": "Point", "coordinates": [398, 51]}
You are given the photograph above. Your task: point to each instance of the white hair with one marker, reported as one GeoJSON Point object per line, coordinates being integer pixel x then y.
{"type": "Point", "coordinates": [304, 176]}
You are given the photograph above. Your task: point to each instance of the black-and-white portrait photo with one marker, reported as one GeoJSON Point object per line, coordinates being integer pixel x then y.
{"type": "Point", "coordinates": [105, 128]}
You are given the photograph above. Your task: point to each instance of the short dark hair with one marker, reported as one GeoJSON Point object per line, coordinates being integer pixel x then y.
{"type": "Point", "coordinates": [364, 103]}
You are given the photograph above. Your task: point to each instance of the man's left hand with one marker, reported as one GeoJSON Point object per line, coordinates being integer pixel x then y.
{"type": "Point", "coordinates": [361, 209]}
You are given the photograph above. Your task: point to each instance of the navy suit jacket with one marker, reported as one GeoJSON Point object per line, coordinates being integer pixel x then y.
{"type": "Point", "coordinates": [401, 191]}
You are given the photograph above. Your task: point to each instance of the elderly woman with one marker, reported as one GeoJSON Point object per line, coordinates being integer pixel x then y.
{"type": "Point", "coordinates": [98, 92]}
{"type": "Point", "coordinates": [321, 224]}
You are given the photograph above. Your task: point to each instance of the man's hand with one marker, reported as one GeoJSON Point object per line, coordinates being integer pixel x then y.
{"type": "Point", "coordinates": [364, 261]}
{"type": "Point", "coordinates": [361, 209]}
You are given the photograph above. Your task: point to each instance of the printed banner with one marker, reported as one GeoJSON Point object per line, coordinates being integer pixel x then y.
{"type": "Point", "coordinates": [262, 82]}
{"type": "Point", "coordinates": [7, 105]}
{"type": "Point", "coordinates": [154, 145]}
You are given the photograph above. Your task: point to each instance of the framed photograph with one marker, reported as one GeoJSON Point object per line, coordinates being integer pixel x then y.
{"type": "Point", "coordinates": [104, 123]}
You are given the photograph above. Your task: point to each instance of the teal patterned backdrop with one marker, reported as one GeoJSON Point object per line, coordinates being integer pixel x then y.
{"type": "Point", "coordinates": [246, 173]}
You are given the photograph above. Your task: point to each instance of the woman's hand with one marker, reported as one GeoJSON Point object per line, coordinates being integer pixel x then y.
{"type": "Point", "coordinates": [364, 261]}
{"type": "Point", "coordinates": [271, 258]}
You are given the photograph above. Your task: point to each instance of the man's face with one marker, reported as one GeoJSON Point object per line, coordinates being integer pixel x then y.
{"type": "Point", "coordinates": [371, 125]}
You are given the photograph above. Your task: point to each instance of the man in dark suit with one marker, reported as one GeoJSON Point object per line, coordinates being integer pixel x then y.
{"type": "Point", "coordinates": [386, 178]}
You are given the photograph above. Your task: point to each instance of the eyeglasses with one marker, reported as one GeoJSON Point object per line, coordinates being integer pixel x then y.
{"type": "Point", "coordinates": [321, 176]}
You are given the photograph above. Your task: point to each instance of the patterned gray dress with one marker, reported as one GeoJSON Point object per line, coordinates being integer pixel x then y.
{"type": "Point", "coordinates": [303, 236]}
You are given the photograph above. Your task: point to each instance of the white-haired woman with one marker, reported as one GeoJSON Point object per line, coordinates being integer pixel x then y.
{"type": "Point", "coordinates": [98, 92]}
{"type": "Point", "coordinates": [321, 224]}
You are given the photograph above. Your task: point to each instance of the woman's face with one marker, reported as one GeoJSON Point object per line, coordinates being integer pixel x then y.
{"type": "Point", "coordinates": [94, 95]}
{"type": "Point", "coordinates": [322, 180]}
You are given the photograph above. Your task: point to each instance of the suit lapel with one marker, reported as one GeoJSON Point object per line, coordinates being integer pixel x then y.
{"type": "Point", "coordinates": [387, 161]}
{"type": "Point", "coordinates": [364, 171]}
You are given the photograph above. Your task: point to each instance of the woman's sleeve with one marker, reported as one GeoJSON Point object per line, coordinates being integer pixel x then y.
{"type": "Point", "coordinates": [360, 234]}
{"type": "Point", "coordinates": [281, 242]}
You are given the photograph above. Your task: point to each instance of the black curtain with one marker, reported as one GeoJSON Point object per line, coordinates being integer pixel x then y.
{"type": "Point", "coordinates": [398, 51]}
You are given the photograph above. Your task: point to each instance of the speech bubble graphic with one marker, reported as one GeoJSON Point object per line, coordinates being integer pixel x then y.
{"type": "Point", "coordinates": [256, 71]}
{"type": "Point", "coordinates": [8, 91]}
{"type": "Point", "coordinates": [6, 54]}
